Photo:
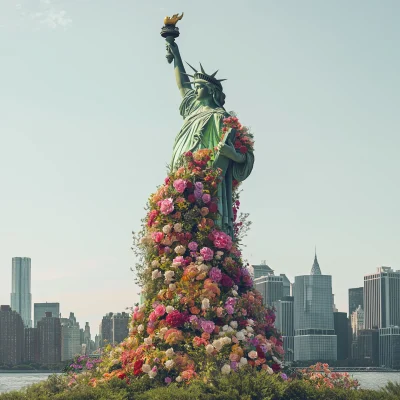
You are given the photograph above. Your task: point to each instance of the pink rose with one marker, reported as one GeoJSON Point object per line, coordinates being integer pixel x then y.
{"type": "Point", "coordinates": [193, 246]}
{"type": "Point", "coordinates": [180, 185]}
{"type": "Point", "coordinates": [207, 326]}
{"type": "Point", "coordinates": [157, 236]}
{"type": "Point", "coordinates": [152, 316]}
{"type": "Point", "coordinates": [167, 206]}
{"type": "Point", "coordinates": [207, 253]}
{"type": "Point", "coordinates": [215, 274]}
{"type": "Point", "coordinates": [160, 310]}
{"type": "Point", "coordinates": [206, 198]}
{"type": "Point", "coordinates": [222, 240]}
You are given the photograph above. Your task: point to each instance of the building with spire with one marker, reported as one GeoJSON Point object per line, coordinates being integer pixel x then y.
{"type": "Point", "coordinates": [315, 338]}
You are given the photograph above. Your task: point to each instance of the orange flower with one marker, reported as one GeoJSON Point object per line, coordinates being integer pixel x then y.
{"type": "Point", "coordinates": [194, 310]}
{"type": "Point", "coordinates": [205, 335]}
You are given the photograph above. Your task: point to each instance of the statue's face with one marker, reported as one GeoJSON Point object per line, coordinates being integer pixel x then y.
{"type": "Point", "coordinates": [201, 91]}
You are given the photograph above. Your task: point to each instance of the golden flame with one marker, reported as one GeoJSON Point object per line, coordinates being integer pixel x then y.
{"type": "Point", "coordinates": [172, 20]}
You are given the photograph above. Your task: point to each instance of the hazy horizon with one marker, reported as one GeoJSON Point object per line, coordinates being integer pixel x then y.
{"type": "Point", "coordinates": [89, 113]}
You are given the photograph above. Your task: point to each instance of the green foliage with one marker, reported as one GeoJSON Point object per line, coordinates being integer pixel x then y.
{"type": "Point", "coordinates": [247, 384]}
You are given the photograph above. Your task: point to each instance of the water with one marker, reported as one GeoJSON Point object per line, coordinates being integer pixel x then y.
{"type": "Point", "coordinates": [16, 381]}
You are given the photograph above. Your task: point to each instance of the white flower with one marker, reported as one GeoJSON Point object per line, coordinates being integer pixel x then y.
{"type": "Point", "coordinates": [156, 274]}
{"type": "Point", "coordinates": [234, 293]}
{"type": "Point", "coordinates": [178, 227]}
{"type": "Point", "coordinates": [240, 335]}
{"type": "Point", "coordinates": [169, 309]}
{"type": "Point", "coordinates": [180, 249]}
{"type": "Point", "coordinates": [162, 332]}
{"type": "Point", "coordinates": [175, 264]}
{"type": "Point", "coordinates": [250, 322]}
{"type": "Point", "coordinates": [152, 374]}
{"type": "Point", "coordinates": [146, 368]}
{"type": "Point", "coordinates": [226, 369]}
{"type": "Point", "coordinates": [209, 349]}
{"type": "Point", "coordinates": [166, 229]}
{"type": "Point", "coordinates": [148, 341]}
{"type": "Point", "coordinates": [225, 328]}
{"type": "Point", "coordinates": [169, 364]}
{"type": "Point", "coordinates": [226, 340]}
{"type": "Point", "coordinates": [199, 259]}
{"type": "Point", "coordinates": [203, 267]}
{"type": "Point", "coordinates": [218, 344]}
{"type": "Point", "coordinates": [140, 328]}
{"type": "Point", "coordinates": [155, 263]}
{"type": "Point", "coordinates": [243, 361]}
{"type": "Point", "coordinates": [230, 329]}
{"type": "Point", "coordinates": [276, 360]}
{"type": "Point", "coordinates": [179, 379]}
{"type": "Point", "coordinates": [235, 287]}
{"type": "Point", "coordinates": [249, 329]}
{"type": "Point", "coordinates": [233, 324]}
{"type": "Point", "coordinates": [169, 275]}
{"type": "Point", "coordinates": [205, 304]}
{"type": "Point", "coordinates": [253, 354]}
{"type": "Point", "coordinates": [270, 370]}
{"type": "Point", "coordinates": [219, 254]}
{"type": "Point", "coordinates": [170, 352]}
{"type": "Point", "coordinates": [172, 287]}
{"type": "Point", "coordinates": [163, 259]}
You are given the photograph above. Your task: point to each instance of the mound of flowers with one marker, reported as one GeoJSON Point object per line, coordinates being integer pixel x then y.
{"type": "Point", "coordinates": [200, 313]}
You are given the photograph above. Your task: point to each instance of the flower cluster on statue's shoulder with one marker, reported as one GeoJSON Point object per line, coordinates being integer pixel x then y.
{"type": "Point", "coordinates": [244, 139]}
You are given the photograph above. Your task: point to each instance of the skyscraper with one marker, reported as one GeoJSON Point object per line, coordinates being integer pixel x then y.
{"type": "Point", "coordinates": [11, 336]}
{"type": "Point", "coordinates": [382, 298]}
{"type": "Point", "coordinates": [389, 347]}
{"type": "Point", "coordinates": [285, 324]}
{"type": "Point", "coordinates": [357, 321]}
{"type": "Point", "coordinates": [114, 328]}
{"type": "Point", "coordinates": [286, 285]}
{"type": "Point", "coordinates": [71, 344]}
{"type": "Point", "coordinates": [21, 298]}
{"type": "Point", "coordinates": [40, 309]}
{"type": "Point", "coordinates": [315, 338]}
{"type": "Point", "coordinates": [270, 287]}
{"type": "Point", "coordinates": [356, 298]}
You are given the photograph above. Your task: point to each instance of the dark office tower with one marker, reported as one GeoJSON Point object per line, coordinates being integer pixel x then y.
{"type": "Point", "coordinates": [31, 353]}
{"type": "Point", "coordinates": [11, 336]}
{"type": "Point", "coordinates": [366, 347]}
{"type": "Point", "coordinates": [382, 298]}
{"type": "Point", "coordinates": [49, 332]}
{"type": "Point", "coordinates": [285, 324]}
{"type": "Point", "coordinates": [21, 298]}
{"type": "Point", "coordinates": [389, 347]}
{"type": "Point", "coordinates": [341, 325]}
{"type": "Point", "coordinates": [356, 298]}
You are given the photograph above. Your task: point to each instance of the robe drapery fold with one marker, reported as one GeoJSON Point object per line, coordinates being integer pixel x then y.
{"type": "Point", "coordinates": [201, 129]}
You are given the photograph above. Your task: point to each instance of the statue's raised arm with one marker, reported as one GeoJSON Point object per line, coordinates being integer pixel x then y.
{"type": "Point", "coordinates": [170, 32]}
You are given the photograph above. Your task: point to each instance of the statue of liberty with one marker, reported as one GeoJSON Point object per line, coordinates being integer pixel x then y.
{"type": "Point", "coordinates": [203, 114]}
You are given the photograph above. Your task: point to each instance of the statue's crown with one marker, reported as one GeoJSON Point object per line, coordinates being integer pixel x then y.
{"type": "Point", "coordinates": [204, 77]}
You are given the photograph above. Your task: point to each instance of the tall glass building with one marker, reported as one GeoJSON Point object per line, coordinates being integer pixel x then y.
{"type": "Point", "coordinates": [284, 323]}
{"type": "Point", "coordinates": [315, 338]}
{"type": "Point", "coordinates": [382, 298]}
{"type": "Point", "coordinates": [21, 297]}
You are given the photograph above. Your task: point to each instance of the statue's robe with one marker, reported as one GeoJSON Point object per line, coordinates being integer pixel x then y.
{"type": "Point", "coordinates": [202, 130]}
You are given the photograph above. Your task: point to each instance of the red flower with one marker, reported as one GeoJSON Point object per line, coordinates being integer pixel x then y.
{"type": "Point", "coordinates": [137, 367]}
{"type": "Point", "coordinates": [191, 198]}
{"type": "Point", "coordinates": [243, 149]}
{"type": "Point", "coordinates": [189, 185]}
{"type": "Point", "coordinates": [226, 281]}
{"type": "Point", "coordinates": [213, 207]}
{"type": "Point", "coordinates": [175, 319]}
{"type": "Point", "coordinates": [260, 353]}
{"type": "Point", "coordinates": [276, 367]}
{"type": "Point", "coordinates": [121, 375]}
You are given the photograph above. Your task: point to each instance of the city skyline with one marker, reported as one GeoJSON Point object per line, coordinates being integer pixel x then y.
{"type": "Point", "coordinates": [78, 158]}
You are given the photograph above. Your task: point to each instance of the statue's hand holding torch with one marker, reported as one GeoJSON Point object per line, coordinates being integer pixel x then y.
{"type": "Point", "coordinates": [169, 31]}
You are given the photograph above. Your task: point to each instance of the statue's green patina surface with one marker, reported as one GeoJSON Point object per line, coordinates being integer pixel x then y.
{"type": "Point", "coordinates": [203, 113]}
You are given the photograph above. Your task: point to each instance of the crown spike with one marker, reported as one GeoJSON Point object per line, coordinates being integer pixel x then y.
{"type": "Point", "coordinates": [194, 69]}
{"type": "Point", "coordinates": [202, 69]}
{"type": "Point", "coordinates": [215, 73]}
{"type": "Point", "coordinates": [221, 80]}
{"type": "Point", "coordinates": [184, 73]}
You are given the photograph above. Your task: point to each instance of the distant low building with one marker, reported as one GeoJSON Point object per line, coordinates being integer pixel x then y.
{"type": "Point", "coordinates": [11, 336]}
{"type": "Point", "coordinates": [366, 347]}
{"type": "Point", "coordinates": [114, 328]}
{"type": "Point", "coordinates": [341, 326]}
{"type": "Point", "coordinates": [49, 333]}
{"type": "Point", "coordinates": [389, 347]}
{"type": "Point", "coordinates": [31, 350]}
{"type": "Point", "coordinates": [261, 270]}
{"type": "Point", "coordinates": [70, 338]}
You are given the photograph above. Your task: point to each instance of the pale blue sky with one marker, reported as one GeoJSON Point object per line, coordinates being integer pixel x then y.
{"type": "Point", "coordinates": [89, 112]}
